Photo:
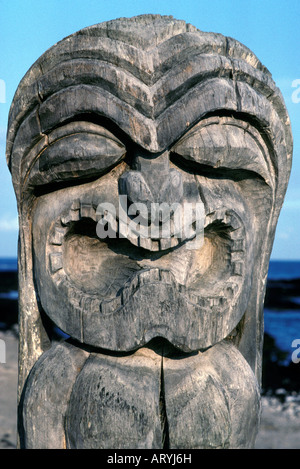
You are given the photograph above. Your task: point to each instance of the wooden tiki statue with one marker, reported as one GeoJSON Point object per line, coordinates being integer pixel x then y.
{"type": "Point", "coordinates": [163, 334]}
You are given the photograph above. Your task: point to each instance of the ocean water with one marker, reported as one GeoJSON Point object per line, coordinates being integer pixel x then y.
{"type": "Point", "coordinates": [282, 324]}
{"type": "Point", "coordinates": [8, 264]}
{"type": "Point", "coordinates": [284, 270]}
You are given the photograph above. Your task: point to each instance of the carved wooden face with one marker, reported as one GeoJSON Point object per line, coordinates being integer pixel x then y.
{"type": "Point", "coordinates": [120, 292]}
{"type": "Point", "coordinates": [157, 111]}
{"type": "Point", "coordinates": [110, 127]}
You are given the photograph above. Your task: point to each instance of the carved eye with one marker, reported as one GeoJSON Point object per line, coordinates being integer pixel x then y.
{"type": "Point", "coordinates": [224, 146]}
{"type": "Point", "coordinates": [79, 152]}
{"type": "Point", "coordinates": [83, 153]}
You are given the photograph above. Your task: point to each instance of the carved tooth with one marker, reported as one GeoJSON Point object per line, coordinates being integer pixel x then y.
{"type": "Point", "coordinates": [75, 215]}
{"type": "Point", "coordinates": [66, 219]}
{"type": "Point", "coordinates": [216, 301]}
{"type": "Point", "coordinates": [73, 293]}
{"type": "Point", "coordinates": [210, 302]}
{"type": "Point", "coordinates": [58, 236]}
{"type": "Point", "coordinates": [238, 245]}
{"type": "Point", "coordinates": [109, 306]}
{"type": "Point", "coordinates": [174, 242]}
{"type": "Point", "coordinates": [232, 220]}
{"type": "Point", "coordinates": [219, 301]}
{"type": "Point", "coordinates": [75, 205]}
{"type": "Point", "coordinates": [193, 298]}
{"type": "Point", "coordinates": [87, 211]}
{"type": "Point", "coordinates": [85, 303]}
{"type": "Point", "coordinates": [134, 284]}
{"type": "Point", "coordinates": [60, 277]}
{"type": "Point", "coordinates": [94, 304]}
{"type": "Point", "coordinates": [165, 243]}
{"type": "Point", "coordinates": [165, 276]}
{"type": "Point", "coordinates": [222, 301]}
{"type": "Point", "coordinates": [219, 215]}
{"type": "Point", "coordinates": [237, 268]}
{"type": "Point", "coordinates": [143, 277]}
{"type": "Point", "coordinates": [208, 219]}
{"type": "Point", "coordinates": [125, 295]}
{"type": "Point", "coordinates": [72, 215]}
{"type": "Point", "coordinates": [235, 223]}
{"type": "Point", "coordinates": [133, 239]}
{"type": "Point", "coordinates": [55, 261]}
{"type": "Point", "coordinates": [148, 243]}
{"type": "Point", "coordinates": [236, 256]}
{"type": "Point", "coordinates": [145, 243]}
{"type": "Point", "coordinates": [212, 215]}
{"type": "Point", "coordinates": [237, 234]}
{"type": "Point", "coordinates": [149, 276]}
{"type": "Point", "coordinates": [154, 275]}
{"type": "Point", "coordinates": [105, 307]}
{"type": "Point", "coordinates": [206, 303]}
{"type": "Point", "coordinates": [121, 229]}
{"type": "Point", "coordinates": [231, 289]}
{"type": "Point", "coordinates": [201, 301]}
{"type": "Point", "coordinates": [155, 245]}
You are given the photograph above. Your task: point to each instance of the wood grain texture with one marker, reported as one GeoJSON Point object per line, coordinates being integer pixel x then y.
{"type": "Point", "coordinates": [141, 400]}
{"type": "Point", "coordinates": [165, 336]}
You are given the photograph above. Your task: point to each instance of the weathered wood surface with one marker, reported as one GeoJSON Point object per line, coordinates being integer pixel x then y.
{"type": "Point", "coordinates": [151, 109]}
{"type": "Point", "coordinates": [141, 400]}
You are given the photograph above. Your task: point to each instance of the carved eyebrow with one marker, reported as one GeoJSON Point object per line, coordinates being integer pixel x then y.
{"type": "Point", "coordinates": [78, 149]}
{"type": "Point", "coordinates": [225, 145]}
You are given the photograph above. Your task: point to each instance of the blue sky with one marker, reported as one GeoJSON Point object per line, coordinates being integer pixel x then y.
{"type": "Point", "coordinates": [270, 28]}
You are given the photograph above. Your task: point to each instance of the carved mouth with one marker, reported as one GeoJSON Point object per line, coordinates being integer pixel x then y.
{"type": "Point", "coordinates": [107, 267]}
{"type": "Point", "coordinates": [103, 278]}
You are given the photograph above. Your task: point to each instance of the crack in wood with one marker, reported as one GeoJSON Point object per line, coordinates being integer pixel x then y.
{"type": "Point", "coordinates": [163, 410]}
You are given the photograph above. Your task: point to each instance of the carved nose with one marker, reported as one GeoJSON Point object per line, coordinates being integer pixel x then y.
{"type": "Point", "coordinates": [153, 182]}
